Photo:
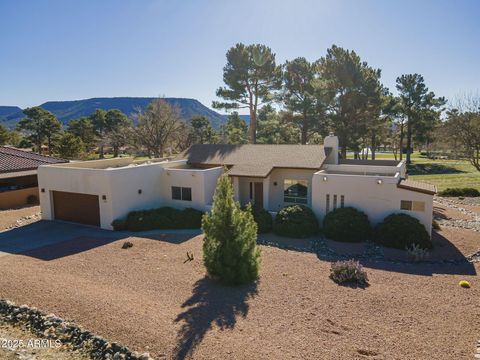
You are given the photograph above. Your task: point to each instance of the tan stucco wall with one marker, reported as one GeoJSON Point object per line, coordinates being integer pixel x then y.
{"type": "Point", "coordinates": [14, 198]}
{"type": "Point", "coordinates": [275, 201]}
{"type": "Point", "coordinates": [364, 193]}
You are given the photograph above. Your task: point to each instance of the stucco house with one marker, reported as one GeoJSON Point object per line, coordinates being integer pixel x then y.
{"type": "Point", "coordinates": [271, 176]}
{"type": "Point", "coordinates": [18, 176]}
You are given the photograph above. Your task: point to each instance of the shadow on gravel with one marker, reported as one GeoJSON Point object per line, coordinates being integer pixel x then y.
{"type": "Point", "coordinates": [210, 304]}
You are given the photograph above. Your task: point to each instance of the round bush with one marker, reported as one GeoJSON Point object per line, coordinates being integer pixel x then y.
{"type": "Point", "coordinates": [262, 217]}
{"type": "Point", "coordinates": [347, 224]}
{"type": "Point", "coordinates": [401, 231]}
{"type": "Point", "coordinates": [295, 221]}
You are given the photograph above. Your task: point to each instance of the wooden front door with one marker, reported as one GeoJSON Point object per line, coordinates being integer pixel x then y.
{"type": "Point", "coordinates": [258, 194]}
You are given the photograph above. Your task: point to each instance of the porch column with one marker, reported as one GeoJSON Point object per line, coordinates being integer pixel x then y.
{"type": "Point", "coordinates": [236, 188]}
{"type": "Point", "coordinates": [266, 192]}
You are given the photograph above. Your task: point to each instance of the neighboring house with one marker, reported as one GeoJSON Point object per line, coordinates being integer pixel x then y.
{"type": "Point", "coordinates": [18, 176]}
{"type": "Point", "coordinates": [271, 176]}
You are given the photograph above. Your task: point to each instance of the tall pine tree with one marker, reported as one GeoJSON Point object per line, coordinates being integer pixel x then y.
{"type": "Point", "coordinates": [230, 250]}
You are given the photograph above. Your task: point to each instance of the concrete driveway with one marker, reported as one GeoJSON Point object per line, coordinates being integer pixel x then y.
{"type": "Point", "coordinates": [44, 233]}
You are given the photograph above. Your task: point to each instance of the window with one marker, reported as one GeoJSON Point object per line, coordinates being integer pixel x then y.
{"type": "Point", "coordinates": [176, 193]}
{"type": "Point", "coordinates": [334, 202]}
{"type": "Point", "coordinates": [327, 205]}
{"type": "Point", "coordinates": [418, 206]}
{"type": "Point", "coordinates": [342, 201]}
{"type": "Point", "coordinates": [412, 205]}
{"type": "Point", "coordinates": [186, 194]}
{"type": "Point", "coordinates": [295, 191]}
{"type": "Point", "coordinates": [181, 193]}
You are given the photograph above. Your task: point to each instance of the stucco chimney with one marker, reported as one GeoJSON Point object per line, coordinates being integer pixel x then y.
{"type": "Point", "coordinates": [331, 141]}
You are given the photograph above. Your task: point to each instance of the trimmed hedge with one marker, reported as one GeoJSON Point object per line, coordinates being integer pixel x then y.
{"type": "Point", "coordinates": [401, 231]}
{"type": "Point", "coordinates": [466, 192]}
{"type": "Point", "coordinates": [347, 225]}
{"type": "Point", "coordinates": [160, 218]}
{"type": "Point", "coordinates": [262, 217]}
{"type": "Point", "coordinates": [295, 221]}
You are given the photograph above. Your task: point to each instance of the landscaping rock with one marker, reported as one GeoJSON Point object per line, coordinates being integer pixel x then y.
{"type": "Point", "coordinates": [52, 327]}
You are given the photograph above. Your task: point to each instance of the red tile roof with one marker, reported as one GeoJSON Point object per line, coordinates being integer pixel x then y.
{"type": "Point", "coordinates": [14, 160]}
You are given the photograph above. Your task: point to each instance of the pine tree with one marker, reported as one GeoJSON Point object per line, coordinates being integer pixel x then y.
{"type": "Point", "coordinates": [230, 250]}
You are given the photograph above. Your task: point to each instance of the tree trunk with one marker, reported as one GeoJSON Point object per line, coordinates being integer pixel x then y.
{"type": "Point", "coordinates": [115, 151]}
{"type": "Point", "coordinates": [100, 150]}
{"type": "Point", "coordinates": [304, 128]}
{"type": "Point", "coordinates": [49, 144]}
{"type": "Point", "coordinates": [401, 142]}
{"type": "Point", "coordinates": [373, 146]}
{"type": "Point", "coordinates": [253, 127]}
{"type": "Point", "coordinates": [409, 140]}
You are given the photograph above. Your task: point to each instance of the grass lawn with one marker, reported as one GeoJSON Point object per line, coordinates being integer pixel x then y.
{"type": "Point", "coordinates": [442, 173]}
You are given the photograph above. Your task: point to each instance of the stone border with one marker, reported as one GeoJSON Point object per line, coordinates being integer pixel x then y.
{"type": "Point", "coordinates": [55, 328]}
{"type": "Point", "coordinates": [372, 252]}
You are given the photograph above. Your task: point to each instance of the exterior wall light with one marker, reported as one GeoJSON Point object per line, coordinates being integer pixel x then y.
{"type": "Point", "coordinates": [139, 191]}
{"type": "Point", "coordinates": [104, 197]}
{"type": "Point", "coordinates": [325, 178]}
{"type": "Point", "coordinates": [379, 181]}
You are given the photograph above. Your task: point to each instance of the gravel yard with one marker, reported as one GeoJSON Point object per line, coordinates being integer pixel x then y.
{"type": "Point", "coordinates": [18, 217]}
{"type": "Point", "coordinates": [151, 299]}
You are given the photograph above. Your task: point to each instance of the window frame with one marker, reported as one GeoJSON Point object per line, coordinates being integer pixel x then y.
{"type": "Point", "coordinates": [295, 199]}
{"type": "Point", "coordinates": [182, 193]}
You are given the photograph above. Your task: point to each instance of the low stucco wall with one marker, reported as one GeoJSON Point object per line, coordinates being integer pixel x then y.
{"type": "Point", "coordinates": [14, 198]}
{"type": "Point", "coordinates": [365, 194]}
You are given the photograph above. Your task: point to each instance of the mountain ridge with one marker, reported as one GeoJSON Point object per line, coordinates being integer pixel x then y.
{"type": "Point", "coordinates": [67, 110]}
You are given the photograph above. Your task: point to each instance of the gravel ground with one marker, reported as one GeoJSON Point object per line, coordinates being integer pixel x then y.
{"type": "Point", "coordinates": [457, 213]}
{"type": "Point", "coordinates": [19, 344]}
{"type": "Point", "coordinates": [18, 217]}
{"type": "Point", "coordinates": [148, 298]}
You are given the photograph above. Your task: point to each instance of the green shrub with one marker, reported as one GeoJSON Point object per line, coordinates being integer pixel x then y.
{"type": "Point", "coordinates": [401, 231]}
{"type": "Point", "coordinates": [262, 217]}
{"type": "Point", "coordinates": [160, 218]}
{"type": "Point", "coordinates": [119, 225]}
{"type": "Point", "coordinates": [230, 251]}
{"type": "Point", "coordinates": [295, 221]}
{"type": "Point", "coordinates": [348, 271]}
{"type": "Point", "coordinates": [347, 224]}
{"type": "Point", "coordinates": [466, 192]}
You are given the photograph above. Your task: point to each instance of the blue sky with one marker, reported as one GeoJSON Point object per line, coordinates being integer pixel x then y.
{"type": "Point", "coordinates": [73, 49]}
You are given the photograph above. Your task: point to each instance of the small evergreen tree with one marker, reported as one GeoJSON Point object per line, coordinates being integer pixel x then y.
{"type": "Point", "coordinates": [230, 250]}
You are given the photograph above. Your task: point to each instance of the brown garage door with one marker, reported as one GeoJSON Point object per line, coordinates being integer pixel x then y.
{"type": "Point", "coordinates": [79, 208]}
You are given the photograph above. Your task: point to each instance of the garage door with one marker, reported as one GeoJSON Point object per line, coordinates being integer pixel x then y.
{"type": "Point", "coordinates": [79, 208]}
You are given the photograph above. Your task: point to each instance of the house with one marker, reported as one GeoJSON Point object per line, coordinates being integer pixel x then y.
{"type": "Point", "coordinates": [271, 176]}
{"type": "Point", "coordinates": [18, 176]}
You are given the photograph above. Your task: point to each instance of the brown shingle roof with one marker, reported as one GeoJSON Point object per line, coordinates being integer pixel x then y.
{"type": "Point", "coordinates": [417, 186]}
{"type": "Point", "coordinates": [256, 160]}
{"type": "Point", "coordinates": [13, 160]}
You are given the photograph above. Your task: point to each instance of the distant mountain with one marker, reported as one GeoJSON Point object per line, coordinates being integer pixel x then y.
{"type": "Point", "coordinates": [68, 110]}
{"type": "Point", "coordinates": [9, 115]}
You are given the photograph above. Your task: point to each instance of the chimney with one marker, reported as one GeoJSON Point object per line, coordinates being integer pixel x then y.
{"type": "Point", "coordinates": [331, 141]}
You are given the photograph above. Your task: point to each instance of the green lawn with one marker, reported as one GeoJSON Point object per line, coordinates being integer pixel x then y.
{"type": "Point", "coordinates": [442, 173]}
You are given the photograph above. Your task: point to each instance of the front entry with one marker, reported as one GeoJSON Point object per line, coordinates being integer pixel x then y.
{"type": "Point", "coordinates": [258, 194]}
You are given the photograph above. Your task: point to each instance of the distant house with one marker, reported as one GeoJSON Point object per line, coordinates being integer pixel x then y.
{"type": "Point", "coordinates": [272, 176]}
{"type": "Point", "coordinates": [18, 176]}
